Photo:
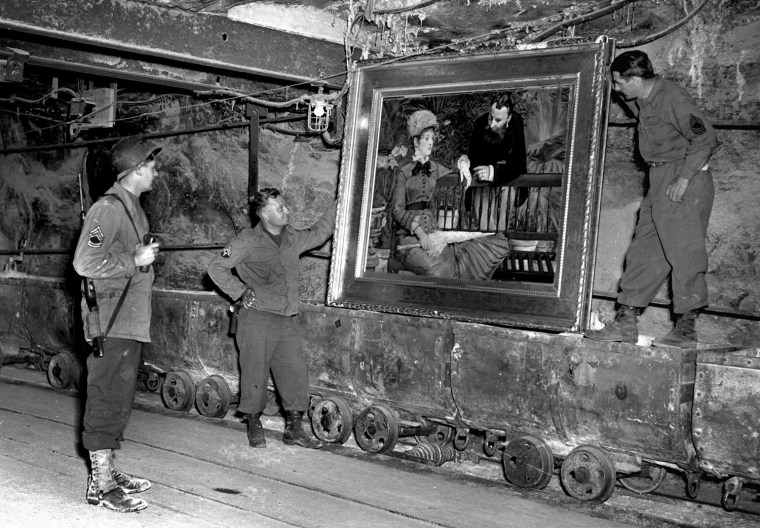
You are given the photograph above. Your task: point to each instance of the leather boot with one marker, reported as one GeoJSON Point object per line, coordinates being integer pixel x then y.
{"type": "Point", "coordinates": [102, 488]}
{"type": "Point", "coordinates": [128, 483]}
{"type": "Point", "coordinates": [255, 430]}
{"type": "Point", "coordinates": [622, 329]}
{"type": "Point", "coordinates": [683, 334]}
{"type": "Point", "coordinates": [294, 433]}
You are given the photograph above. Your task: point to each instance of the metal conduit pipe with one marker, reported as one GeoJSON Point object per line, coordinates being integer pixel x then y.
{"type": "Point", "coordinates": [83, 144]}
{"type": "Point", "coordinates": [187, 247]}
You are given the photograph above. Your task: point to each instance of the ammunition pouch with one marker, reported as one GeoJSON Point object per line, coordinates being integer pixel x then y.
{"type": "Point", "coordinates": [92, 325]}
{"type": "Point", "coordinates": [93, 333]}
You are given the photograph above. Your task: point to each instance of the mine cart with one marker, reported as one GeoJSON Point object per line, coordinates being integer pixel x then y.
{"type": "Point", "coordinates": [38, 327]}
{"type": "Point", "coordinates": [191, 358]}
{"type": "Point", "coordinates": [726, 425]}
{"type": "Point", "coordinates": [594, 413]}
{"type": "Point", "coordinates": [608, 409]}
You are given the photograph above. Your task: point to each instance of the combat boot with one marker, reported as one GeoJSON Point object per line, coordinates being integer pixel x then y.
{"type": "Point", "coordinates": [683, 334]}
{"type": "Point", "coordinates": [102, 488]}
{"type": "Point", "coordinates": [622, 329]}
{"type": "Point", "coordinates": [294, 433]}
{"type": "Point", "coordinates": [255, 430]}
{"type": "Point", "coordinates": [127, 483]}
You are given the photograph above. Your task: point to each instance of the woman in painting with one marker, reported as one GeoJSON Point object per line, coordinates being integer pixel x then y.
{"type": "Point", "coordinates": [421, 247]}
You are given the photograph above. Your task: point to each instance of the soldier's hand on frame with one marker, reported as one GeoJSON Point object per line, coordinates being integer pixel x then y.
{"type": "Point", "coordinates": [676, 189]}
{"type": "Point", "coordinates": [249, 298]}
{"type": "Point", "coordinates": [145, 254]}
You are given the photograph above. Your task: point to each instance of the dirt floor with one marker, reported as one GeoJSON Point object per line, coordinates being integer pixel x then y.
{"type": "Point", "coordinates": [205, 475]}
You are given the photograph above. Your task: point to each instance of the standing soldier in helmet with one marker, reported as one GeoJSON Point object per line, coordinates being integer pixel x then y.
{"type": "Point", "coordinates": [676, 140]}
{"type": "Point", "coordinates": [116, 264]}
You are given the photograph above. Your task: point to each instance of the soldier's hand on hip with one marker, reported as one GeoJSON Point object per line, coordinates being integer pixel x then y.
{"type": "Point", "coordinates": [249, 298]}
{"type": "Point", "coordinates": [676, 189]}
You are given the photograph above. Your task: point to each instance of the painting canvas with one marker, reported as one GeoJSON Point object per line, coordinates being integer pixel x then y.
{"type": "Point", "coordinates": [470, 185]}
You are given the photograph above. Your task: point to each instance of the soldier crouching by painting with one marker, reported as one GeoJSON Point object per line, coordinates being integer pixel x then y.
{"type": "Point", "coordinates": [676, 140]}
{"type": "Point", "coordinates": [266, 279]}
{"type": "Point", "coordinates": [116, 266]}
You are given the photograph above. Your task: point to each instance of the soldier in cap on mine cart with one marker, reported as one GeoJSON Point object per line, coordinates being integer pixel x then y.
{"type": "Point", "coordinates": [676, 140]}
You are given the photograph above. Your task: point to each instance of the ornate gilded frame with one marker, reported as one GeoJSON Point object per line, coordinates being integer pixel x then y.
{"type": "Point", "coordinates": [562, 305]}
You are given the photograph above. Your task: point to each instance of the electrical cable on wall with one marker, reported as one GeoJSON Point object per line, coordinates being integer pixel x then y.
{"type": "Point", "coordinates": [666, 31]}
{"type": "Point", "coordinates": [256, 98]}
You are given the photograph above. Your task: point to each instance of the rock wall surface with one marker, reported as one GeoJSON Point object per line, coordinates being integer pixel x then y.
{"type": "Point", "coordinates": [201, 194]}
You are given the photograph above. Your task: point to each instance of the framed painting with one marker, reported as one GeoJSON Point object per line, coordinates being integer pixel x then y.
{"type": "Point", "coordinates": [470, 187]}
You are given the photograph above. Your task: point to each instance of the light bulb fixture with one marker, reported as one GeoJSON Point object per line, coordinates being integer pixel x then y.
{"type": "Point", "coordinates": [319, 112]}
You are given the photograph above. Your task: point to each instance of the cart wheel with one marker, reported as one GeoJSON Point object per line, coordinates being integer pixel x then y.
{"type": "Point", "coordinates": [588, 474]}
{"type": "Point", "coordinates": [648, 480]}
{"type": "Point", "coordinates": [213, 397]}
{"type": "Point", "coordinates": [178, 391]}
{"type": "Point", "coordinates": [376, 429]}
{"type": "Point", "coordinates": [528, 462]}
{"type": "Point", "coordinates": [442, 436]}
{"type": "Point", "coordinates": [331, 420]}
{"type": "Point", "coordinates": [61, 371]}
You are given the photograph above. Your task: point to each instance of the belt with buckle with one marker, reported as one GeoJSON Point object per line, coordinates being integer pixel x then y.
{"type": "Point", "coordinates": [660, 163]}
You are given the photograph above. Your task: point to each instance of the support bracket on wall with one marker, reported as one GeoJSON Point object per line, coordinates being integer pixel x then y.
{"type": "Point", "coordinates": [12, 69]}
{"type": "Point", "coordinates": [254, 114]}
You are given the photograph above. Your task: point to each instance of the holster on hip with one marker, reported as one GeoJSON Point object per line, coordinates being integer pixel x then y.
{"type": "Point", "coordinates": [234, 315]}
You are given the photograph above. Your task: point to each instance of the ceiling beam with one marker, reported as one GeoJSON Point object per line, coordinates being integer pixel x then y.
{"type": "Point", "coordinates": [46, 57]}
{"type": "Point", "coordinates": [174, 37]}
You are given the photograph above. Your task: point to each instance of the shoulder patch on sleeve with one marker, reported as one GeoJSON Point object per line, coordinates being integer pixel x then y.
{"type": "Point", "coordinates": [95, 238]}
{"type": "Point", "coordinates": [227, 252]}
{"type": "Point", "coordinates": [697, 125]}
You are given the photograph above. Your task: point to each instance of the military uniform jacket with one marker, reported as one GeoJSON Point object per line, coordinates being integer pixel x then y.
{"type": "Point", "coordinates": [105, 253]}
{"type": "Point", "coordinates": [271, 271]}
{"type": "Point", "coordinates": [672, 128]}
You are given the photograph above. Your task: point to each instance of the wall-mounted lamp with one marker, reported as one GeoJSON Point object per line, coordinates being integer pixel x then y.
{"type": "Point", "coordinates": [319, 112]}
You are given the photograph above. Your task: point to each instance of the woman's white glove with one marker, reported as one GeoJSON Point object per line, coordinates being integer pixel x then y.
{"type": "Point", "coordinates": [463, 164]}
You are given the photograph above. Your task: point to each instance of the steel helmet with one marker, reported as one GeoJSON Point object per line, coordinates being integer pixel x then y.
{"type": "Point", "coordinates": [129, 153]}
